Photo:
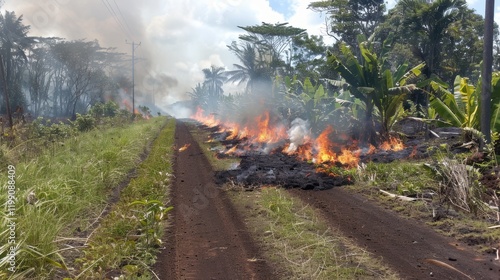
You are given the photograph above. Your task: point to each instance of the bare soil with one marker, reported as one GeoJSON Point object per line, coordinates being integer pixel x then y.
{"type": "Point", "coordinates": [207, 239]}
{"type": "Point", "coordinates": [408, 246]}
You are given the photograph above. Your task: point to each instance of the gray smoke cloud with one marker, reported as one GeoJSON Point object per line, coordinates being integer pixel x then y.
{"type": "Point", "coordinates": [178, 38]}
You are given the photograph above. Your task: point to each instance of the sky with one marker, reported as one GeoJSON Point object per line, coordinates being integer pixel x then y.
{"type": "Point", "coordinates": [178, 38]}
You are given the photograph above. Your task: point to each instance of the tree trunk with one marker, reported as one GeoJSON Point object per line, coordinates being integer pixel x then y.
{"type": "Point", "coordinates": [6, 92]}
{"type": "Point", "coordinates": [369, 133]}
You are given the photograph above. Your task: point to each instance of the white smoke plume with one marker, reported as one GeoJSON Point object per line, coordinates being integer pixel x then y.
{"type": "Point", "coordinates": [299, 134]}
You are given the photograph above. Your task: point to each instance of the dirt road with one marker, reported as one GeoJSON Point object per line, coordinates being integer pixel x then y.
{"type": "Point", "coordinates": [208, 240]}
{"type": "Point", "coordinates": [404, 245]}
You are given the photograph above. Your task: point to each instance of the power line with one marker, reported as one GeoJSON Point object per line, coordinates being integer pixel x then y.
{"type": "Point", "coordinates": [118, 20]}
{"type": "Point", "coordinates": [115, 17]}
{"type": "Point", "coordinates": [124, 20]}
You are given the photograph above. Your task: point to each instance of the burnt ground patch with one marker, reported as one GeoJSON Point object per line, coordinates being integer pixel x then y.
{"type": "Point", "coordinates": [280, 169]}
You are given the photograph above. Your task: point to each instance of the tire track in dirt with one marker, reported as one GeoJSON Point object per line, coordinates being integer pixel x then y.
{"type": "Point", "coordinates": [402, 244]}
{"type": "Point", "coordinates": [207, 239]}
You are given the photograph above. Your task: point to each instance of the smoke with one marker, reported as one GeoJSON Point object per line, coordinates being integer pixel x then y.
{"type": "Point", "coordinates": [177, 38]}
{"type": "Point", "coordinates": [299, 134]}
{"type": "Point", "coordinates": [179, 111]}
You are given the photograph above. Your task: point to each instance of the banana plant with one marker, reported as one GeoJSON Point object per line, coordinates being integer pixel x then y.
{"type": "Point", "coordinates": [462, 107]}
{"type": "Point", "coordinates": [311, 99]}
{"type": "Point", "coordinates": [381, 91]}
{"type": "Point", "coordinates": [459, 108]}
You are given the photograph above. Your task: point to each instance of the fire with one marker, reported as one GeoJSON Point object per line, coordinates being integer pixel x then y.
{"type": "Point", "coordinates": [393, 144]}
{"type": "Point", "coordinates": [413, 152]}
{"type": "Point", "coordinates": [263, 130]}
{"type": "Point", "coordinates": [303, 152]}
{"type": "Point", "coordinates": [267, 133]}
{"type": "Point", "coordinates": [127, 105]}
{"type": "Point", "coordinates": [326, 154]}
{"type": "Point", "coordinates": [208, 121]}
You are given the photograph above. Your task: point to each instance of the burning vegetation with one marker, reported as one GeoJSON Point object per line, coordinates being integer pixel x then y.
{"type": "Point", "coordinates": [265, 136]}
{"type": "Point", "coordinates": [291, 155]}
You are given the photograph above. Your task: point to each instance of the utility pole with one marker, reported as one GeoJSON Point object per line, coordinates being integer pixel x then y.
{"type": "Point", "coordinates": [134, 46]}
{"type": "Point", "coordinates": [486, 77]}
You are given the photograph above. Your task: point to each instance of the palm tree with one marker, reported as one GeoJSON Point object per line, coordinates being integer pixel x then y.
{"type": "Point", "coordinates": [254, 69]}
{"type": "Point", "coordinates": [14, 41]}
{"type": "Point", "coordinates": [214, 79]}
{"type": "Point", "coordinates": [428, 22]}
{"type": "Point", "coordinates": [198, 96]}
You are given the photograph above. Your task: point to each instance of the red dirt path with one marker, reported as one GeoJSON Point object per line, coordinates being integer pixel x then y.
{"type": "Point", "coordinates": [207, 240]}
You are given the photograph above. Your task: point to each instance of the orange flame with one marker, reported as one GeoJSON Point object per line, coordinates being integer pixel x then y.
{"type": "Point", "coordinates": [413, 152]}
{"type": "Point", "coordinates": [209, 121]}
{"type": "Point", "coordinates": [393, 144]}
{"type": "Point", "coordinates": [263, 129]}
{"type": "Point", "coordinates": [127, 105]}
{"type": "Point", "coordinates": [327, 155]}
{"type": "Point", "coordinates": [267, 133]}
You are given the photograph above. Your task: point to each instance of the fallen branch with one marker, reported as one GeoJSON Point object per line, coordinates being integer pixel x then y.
{"type": "Point", "coordinates": [445, 265]}
{"type": "Point", "coordinates": [497, 226]}
{"type": "Point", "coordinates": [402, 197]}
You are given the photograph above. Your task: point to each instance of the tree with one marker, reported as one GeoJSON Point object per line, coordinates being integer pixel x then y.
{"type": "Point", "coordinates": [14, 42]}
{"type": "Point", "coordinates": [272, 40]}
{"type": "Point", "coordinates": [214, 79]}
{"type": "Point", "coordinates": [254, 69]}
{"type": "Point", "coordinates": [38, 79]}
{"type": "Point", "coordinates": [199, 96]}
{"type": "Point", "coordinates": [350, 18]}
{"type": "Point", "coordinates": [309, 57]}
{"type": "Point", "coordinates": [486, 78]}
{"type": "Point", "coordinates": [428, 22]}
{"type": "Point", "coordinates": [79, 78]}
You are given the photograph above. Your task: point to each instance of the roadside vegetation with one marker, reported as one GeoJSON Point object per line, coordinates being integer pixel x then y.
{"type": "Point", "coordinates": [66, 176]}
{"type": "Point", "coordinates": [442, 192]}
{"type": "Point", "coordinates": [126, 243]}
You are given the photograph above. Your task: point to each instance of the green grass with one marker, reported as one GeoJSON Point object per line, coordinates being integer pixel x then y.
{"type": "Point", "coordinates": [72, 183]}
{"type": "Point", "coordinates": [127, 241]}
{"type": "Point", "coordinates": [401, 177]}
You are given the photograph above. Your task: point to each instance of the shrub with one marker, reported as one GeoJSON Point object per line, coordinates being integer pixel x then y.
{"type": "Point", "coordinates": [84, 122]}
